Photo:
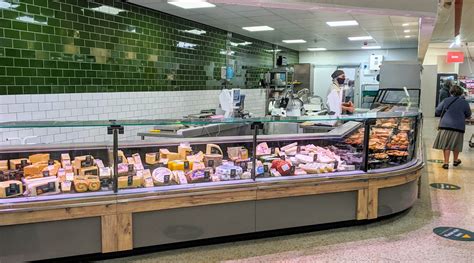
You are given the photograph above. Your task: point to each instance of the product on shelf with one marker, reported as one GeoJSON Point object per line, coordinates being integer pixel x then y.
{"type": "Point", "coordinates": [184, 149]}
{"type": "Point", "coordinates": [167, 156]}
{"type": "Point", "coordinates": [41, 186]}
{"type": "Point", "coordinates": [387, 123]}
{"type": "Point", "coordinates": [282, 167]}
{"type": "Point", "coordinates": [10, 188]}
{"type": "Point", "coordinates": [227, 172]}
{"type": "Point", "coordinates": [317, 168]}
{"type": "Point", "coordinates": [263, 149]}
{"type": "Point", "coordinates": [39, 158]}
{"type": "Point", "coordinates": [237, 153]}
{"type": "Point", "coordinates": [399, 141]}
{"type": "Point", "coordinates": [80, 183]}
{"type": "Point", "coordinates": [66, 186]}
{"type": "Point", "coordinates": [93, 183]}
{"type": "Point", "coordinates": [380, 156]}
{"type": "Point", "coordinates": [197, 176]}
{"type": "Point", "coordinates": [161, 176]}
{"type": "Point", "coordinates": [147, 177]}
{"type": "Point", "coordinates": [397, 153]}
{"type": "Point", "coordinates": [180, 165]}
{"type": "Point", "coordinates": [357, 138]}
{"type": "Point", "coordinates": [3, 165]}
{"type": "Point", "coordinates": [198, 157]}
{"type": "Point", "coordinates": [17, 164]}
{"type": "Point", "coordinates": [130, 181]}
{"type": "Point", "coordinates": [179, 177]}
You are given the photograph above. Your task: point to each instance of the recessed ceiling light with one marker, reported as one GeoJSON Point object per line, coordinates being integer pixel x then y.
{"type": "Point", "coordinates": [294, 41]}
{"type": "Point", "coordinates": [108, 10]}
{"type": "Point", "coordinates": [257, 28]}
{"type": "Point", "coordinates": [317, 49]}
{"type": "Point", "coordinates": [195, 31]}
{"type": "Point", "coordinates": [360, 38]}
{"type": "Point", "coordinates": [406, 31]}
{"type": "Point", "coordinates": [191, 4]}
{"type": "Point", "coordinates": [407, 36]}
{"type": "Point", "coordinates": [405, 24]}
{"type": "Point", "coordinates": [371, 47]}
{"type": "Point", "coordinates": [343, 23]}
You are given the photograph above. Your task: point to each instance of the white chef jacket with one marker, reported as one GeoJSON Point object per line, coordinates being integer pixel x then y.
{"type": "Point", "coordinates": [335, 98]}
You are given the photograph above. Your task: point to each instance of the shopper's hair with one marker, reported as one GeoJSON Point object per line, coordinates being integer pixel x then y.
{"type": "Point", "coordinates": [455, 90]}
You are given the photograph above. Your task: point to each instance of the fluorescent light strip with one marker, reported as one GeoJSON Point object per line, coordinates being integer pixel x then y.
{"type": "Point", "coordinates": [257, 28]}
{"type": "Point", "coordinates": [294, 41]}
{"type": "Point", "coordinates": [406, 24]}
{"type": "Point", "coordinates": [360, 38]}
{"type": "Point", "coordinates": [407, 36]}
{"type": "Point", "coordinates": [108, 10]}
{"type": "Point", "coordinates": [191, 4]}
{"type": "Point", "coordinates": [317, 49]}
{"type": "Point", "coordinates": [406, 31]}
{"type": "Point", "coordinates": [342, 23]}
{"type": "Point", "coordinates": [371, 47]}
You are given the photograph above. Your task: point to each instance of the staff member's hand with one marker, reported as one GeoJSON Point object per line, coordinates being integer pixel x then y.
{"type": "Point", "coordinates": [348, 106]}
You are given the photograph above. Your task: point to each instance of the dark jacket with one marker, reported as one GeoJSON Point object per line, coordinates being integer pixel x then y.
{"type": "Point", "coordinates": [443, 94]}
{"type": "Point", "coordinates": [456, 114]}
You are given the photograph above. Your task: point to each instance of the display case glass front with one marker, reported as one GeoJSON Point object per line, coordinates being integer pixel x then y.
{"type": "Point", "coordinates": [252, 150]}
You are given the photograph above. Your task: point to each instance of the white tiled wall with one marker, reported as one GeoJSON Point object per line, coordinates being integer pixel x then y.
{"type": "Point", "coordinates": [106, 106]}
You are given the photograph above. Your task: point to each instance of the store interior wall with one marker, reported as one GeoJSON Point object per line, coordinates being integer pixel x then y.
{"type": "Point", "coordinates": [74, 63]}
{"type": "Point", "coordinates": [428, 90]}
{"type": "Point", "coordinates": [327, 61]}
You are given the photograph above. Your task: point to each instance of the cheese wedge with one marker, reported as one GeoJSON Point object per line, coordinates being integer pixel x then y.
{"type": "Point", "coordinates": [10, 189]}
{"type": "Point", "coordinates": [40, 157]}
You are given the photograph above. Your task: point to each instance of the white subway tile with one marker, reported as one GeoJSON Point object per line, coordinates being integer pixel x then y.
{"type": "Point", "coordinates": [16, 108]}
{"type": "Point", "coordinates": [51, 97]}
{"type": "Point", "coordinates": [7, 99]}
{"type": "Point", "coordinates": [45, 106]}
{"type": "Point", "coordinates": [23, 98]}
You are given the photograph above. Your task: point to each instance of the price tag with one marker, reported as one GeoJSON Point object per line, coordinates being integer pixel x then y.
{"type": "Point", "coordinates": [336, 164]}
{"type": "Point", "coordinates": [292, 170]}
{"type": "Point", "coordinates": [50, 162]}
{"type": "Point", "coordinates": [315, 158]}
{"type": "Point", "coordinates": [160, 165]}
{"type": "Point", "coordinates": [298, 149]}
{"type": "Point", "coordinates": [130, 168]}
{"type": "Point", "coordinates": [130, 180]}
{"type": "Point", "coordinates": [265, 168]}
{"type": "Point", "coordinates": [207, 174]}
{"type": "Point", "coordinates": [244, 166]}
{"type": "Point", "coordinates": [120, 159]}
{"type": "Point", "coordinates": [283, 157]}
{"type": "Point", "coordinates": [232, 173]}
{"type": "Point", "coordinates": [45, 173]}
{"type": "Point", "coordinates": [157, 156]}
{"type": "Point", "coordinates": [272, 150]}
{"type": "Point", "coordinates": [13, 189]}
{"type": "Point", "coordinates": [186, 165]}
{"type": "Point", "coordinates": [210, 163]}
{"type": "Point", "coordinates": [69, 176]}
{"type": "Point", "coordinates": [166, 178]}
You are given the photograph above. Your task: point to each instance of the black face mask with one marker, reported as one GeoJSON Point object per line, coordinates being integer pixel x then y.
{"type": "Point", "coordinates": [341, 81]}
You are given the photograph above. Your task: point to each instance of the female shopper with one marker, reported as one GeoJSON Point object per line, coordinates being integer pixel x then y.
{"type": "Point", "coordinates": [453, 112]}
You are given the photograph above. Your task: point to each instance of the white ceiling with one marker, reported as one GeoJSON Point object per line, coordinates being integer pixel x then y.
{"type": "Point", "coordinates": [444, 29]}
{"type": "Point", "coordinates": [309, 24]}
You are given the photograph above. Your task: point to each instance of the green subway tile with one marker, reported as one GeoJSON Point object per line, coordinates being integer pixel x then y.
{"type": "Point", "coordinates": [47, 12]}
{"type": "Point", "coordinates": [44, 89]}
{"type": "Point", "coordinates": [50, 64]}
{"type": "Point", "coordinates": [81, 89]}
{"type": "Point", "coordinates": [75, 81]}
{"type": "Point", "coordinates": [29, 72]}
{"type": "Point", "coordinates": [27, 36]}
{"type": "Point", "coordinates": [3, 71]}
{"type": "Point", "coordinates": [7, 80]}
{"type": "Point", "coordinates": [48, 29]}
{"type": "Point", "coordinates": [10, 14]}
{"type": "Point", "coordinates": [10, 52]}
{"type": "Point", "coordinates": [30, 89]}
{"type": "Point", "coordinates": [21, 62]}
{"type": "Point", "coordinates": [3, 90]}
{"type": "Point", "coordinates": [20, 44]}
{"type": "Point", "coordinates": [56, 73]}
{"type": "Point", "coordinates": [59, 15]}
{"type": "Point", "coordinates": [37, 81]}
{"type": "Point", "coordinates": [10, 33]}
{"type": "Point", "coordinates": [28, 54]}
{"type": "Point", "coordinates": [33, 9]}
{"type": "Point", "coordinates": [66, 8]}
{"type": "Point", "coordinates": [14, 90]}
{"type": "Point", "coordinates": [70, 89]}
{"type": "Point", "coordinates": [22, 80]}
{"type": "Point", "coordinates": [5, 23]}
{"type": "Point", "coordinates": [51, 81]}
{"type": "Point", "coordinates": [35, 28]}
{"type": "Point", "coordinates": [57, 89]}
{"type": "Point", "coordinates": [18, 25]}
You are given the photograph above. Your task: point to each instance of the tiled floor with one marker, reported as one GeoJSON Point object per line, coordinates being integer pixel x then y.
{"type": "Point", "coordinates": [406, 238]}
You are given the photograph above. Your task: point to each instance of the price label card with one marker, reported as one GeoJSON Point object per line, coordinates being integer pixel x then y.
{"type": "Point", "coordinates": [166, 179]}
{"type": "Point", "coordinates": [45, 173]}
{"type": "Point", "coordinates": [207, 174]}
{"type": "Point", "coordinates": [50, 162]}
{"type": "Point", "coordinates": [315, 158]}
{"type": "Point", "coordinates": [292, 170]}
{"type": "Point", "coordinates": [69, 176]}
{"type": "Point", "coordinates": [210, 163]}
{"type": "Point", "coordinates": [130, 180]}
{"type": "Point", "coordinates": [186, 165]}
{"type": "Point", "coordinates": [232, 173]}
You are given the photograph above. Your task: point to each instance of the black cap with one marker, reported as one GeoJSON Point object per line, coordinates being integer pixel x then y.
{"type": "Point", "coordinates": [337, 73]}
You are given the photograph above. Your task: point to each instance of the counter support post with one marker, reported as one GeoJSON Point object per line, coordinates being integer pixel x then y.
{"type": "Point", "coordinates": [255, 126]}
{"type": "Point", "coordinates": [115, 130]}
{"type": "Point", "coordinates": [367, 124]}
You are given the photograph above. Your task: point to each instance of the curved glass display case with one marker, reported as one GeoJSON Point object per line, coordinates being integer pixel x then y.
{"type": "Point", "coordinates": [200, 179]}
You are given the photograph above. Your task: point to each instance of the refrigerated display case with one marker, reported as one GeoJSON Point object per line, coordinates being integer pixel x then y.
{"type": "Point", "coordinates": [130, 193]}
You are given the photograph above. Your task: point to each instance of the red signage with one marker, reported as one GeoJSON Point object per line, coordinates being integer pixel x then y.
{"type": "Point", "coordinates": [455, 57]}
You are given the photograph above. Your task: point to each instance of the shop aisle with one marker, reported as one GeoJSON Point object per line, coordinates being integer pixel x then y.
{"type": "Point", "coordinates": [406, 237]}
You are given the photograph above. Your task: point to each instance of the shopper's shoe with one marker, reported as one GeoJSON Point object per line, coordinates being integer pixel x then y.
{"type": "Point", "coordinates": [445, 166]}
{"type": "Point", "coordinates": [457, 162]}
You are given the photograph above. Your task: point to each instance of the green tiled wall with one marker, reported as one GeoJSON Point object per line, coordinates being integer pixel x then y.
{"type": "Point", "coordinates": [66, 47]}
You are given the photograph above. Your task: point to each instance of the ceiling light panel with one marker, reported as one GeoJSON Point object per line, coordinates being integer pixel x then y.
{"type": "Point", "coordinates": [371, 47]}
{"type": "Point", "coordinates": [342, 23]}
{"type": "Point", "coordinates": [257, 28]}
{"type": "Point", "coordinates": [191, 4]}
{"type": "Point", "coordinates": [317, 49]}
{"type": "Point", "coordinates": [360, 38]}
{"type": "Point", "coordinates": [294, 41]}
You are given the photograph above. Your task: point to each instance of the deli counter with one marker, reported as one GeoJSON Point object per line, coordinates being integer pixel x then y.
{"type": "Point", "coordinates": [86, 198]}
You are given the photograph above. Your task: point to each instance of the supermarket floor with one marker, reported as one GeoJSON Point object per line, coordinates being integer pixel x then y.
{"type": "Point", "coordinates": [406, 237]}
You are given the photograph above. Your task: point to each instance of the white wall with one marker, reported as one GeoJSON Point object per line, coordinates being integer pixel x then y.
{"type": "Point", "coordinates": [106, 106]}
{"type": "Point", "coordinates": [428, 89]}
{"type": "Point", "coordinates": [327, 61]}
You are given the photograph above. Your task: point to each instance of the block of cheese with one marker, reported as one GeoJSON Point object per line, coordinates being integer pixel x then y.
{"type": "Point", "coordinates": [184, 150]}
{"type": "Point", "coordinates": [179, 177]}
{"type": "Point", "coordinates": [198, 157]}
{"type": "Point", "coordinates": [130, 181]}
{"type": "Point", "coordinates": [99, 163]}
{"type": "Point", "coordinates": [39, 157]}
{"type": "Point", "coordinates": [66, 186]}
{"type": "Point", "coordinates": [15, 164]}
{"type": "Point", "coordinates": [51, 168]}
{"type": "Point", "coordinates": [41, 186]}
{"type": "Point", "coordinates": [65, 157]}
{"type": "Point", "coordinates": [10, 189]}
{"type": "Point", "coordinates": [83, 161]}
{"type": "Point", "coordinates": [213, 149]}
{"type": "Point", "coordinates": [3, 165]}
{"type": "Point", "coordinates": [92, 170]}
{"type": "Point", "coordinates": [121, 157]}
{"type": "Point", "coordinates": [212, 160]}
{"type": "Point", "coordinates": [161, 176]}
{"type": "Point", "coordinates": [93, 183]}
{"type": "Point", "coordinates": [180, 165]}
{"type": "Point", "coordinates": [35, 170]}
{"type": "Point", "coordinates": [152, 158]}
{"type": "Point", "coordinates": [170, 156]}
{"type": "Point", "coordinates": [81, 184]}
{"type": "Point", "coordinates": [105, 172]}
{"type": "Point", "coordinates": [147, 177]}
{"type": "Point", "coordinates": [130, 160]}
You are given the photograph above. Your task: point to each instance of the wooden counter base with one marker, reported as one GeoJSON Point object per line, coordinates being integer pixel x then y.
{"type": "Point", "coordinates": [117, 212]}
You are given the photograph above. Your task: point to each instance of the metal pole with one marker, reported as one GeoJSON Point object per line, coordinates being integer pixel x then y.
{"type": "Point", "coordinates": [365, 149]}
{"type": "Point", "coordinates": [255, 126]}
{"type": "Point", "coordinates": [115, 153]}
